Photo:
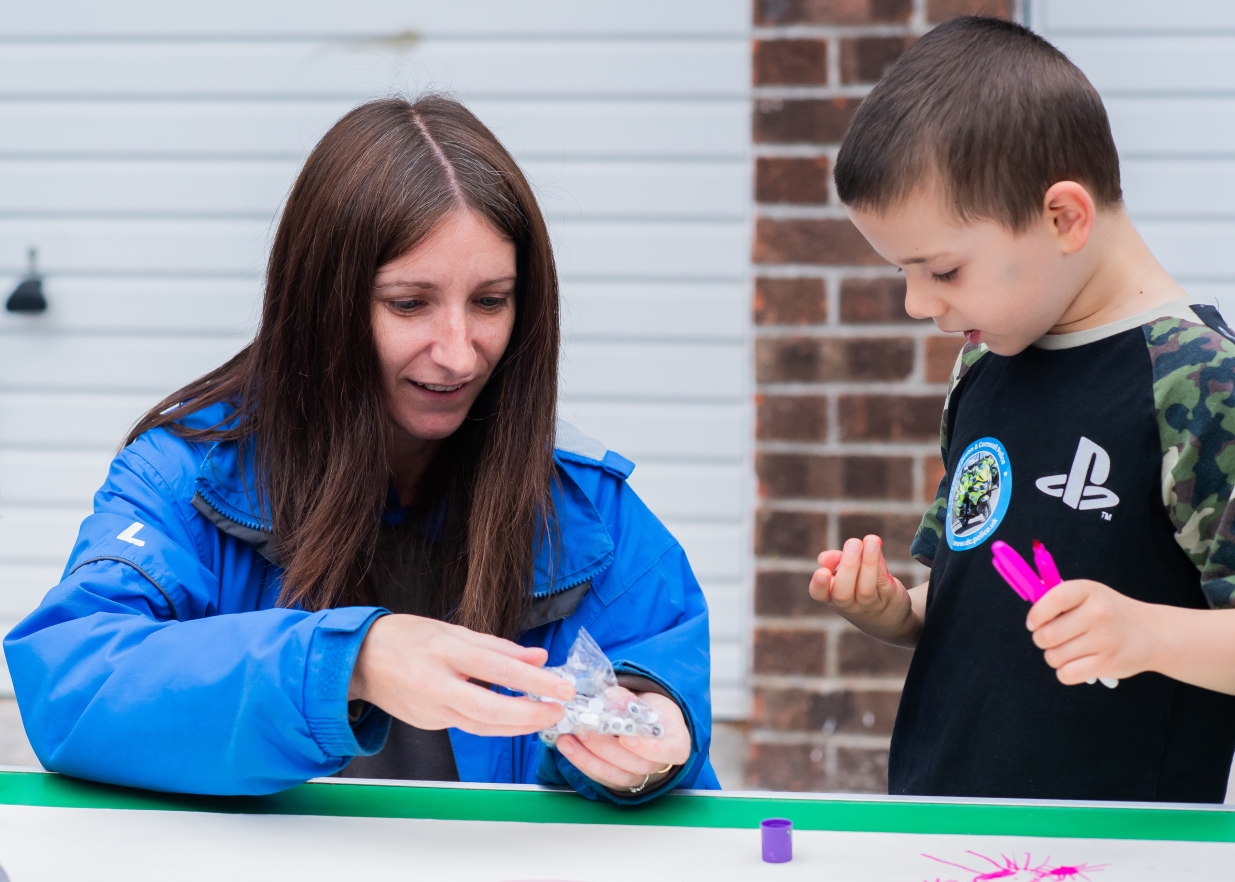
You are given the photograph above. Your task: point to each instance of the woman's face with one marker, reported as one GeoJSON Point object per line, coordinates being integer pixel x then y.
{"type": "Point", "coordinates": [442, 316]}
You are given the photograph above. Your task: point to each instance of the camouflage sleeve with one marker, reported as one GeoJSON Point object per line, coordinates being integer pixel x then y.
{"type": "Point", "coordinates": [1194, 375]}
{"type": "Point", "coordinates": [930, 532]}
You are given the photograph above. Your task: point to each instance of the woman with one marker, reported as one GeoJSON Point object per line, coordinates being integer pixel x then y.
{"type": "Point", "coordinates": [363, 516]}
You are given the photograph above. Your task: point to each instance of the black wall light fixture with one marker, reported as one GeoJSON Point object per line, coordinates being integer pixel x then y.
{"type": "Point", "coordinates": [28, 297]}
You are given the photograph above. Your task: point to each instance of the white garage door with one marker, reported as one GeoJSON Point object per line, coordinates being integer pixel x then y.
{"type": "Point", "coordinates": [144, 151]}
{"type": "Point", "coordinates": [1166, 72]}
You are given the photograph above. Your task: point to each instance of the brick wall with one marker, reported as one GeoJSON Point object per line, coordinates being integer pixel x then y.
{"type": "Point", "coordinates": [849, 393]}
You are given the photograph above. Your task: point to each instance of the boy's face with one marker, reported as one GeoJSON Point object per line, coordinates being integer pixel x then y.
{"type": "Point", "coordinates": [1000, 288]}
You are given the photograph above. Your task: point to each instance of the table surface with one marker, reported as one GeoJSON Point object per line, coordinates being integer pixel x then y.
{"type": "Point", "coordinates": [53, 827]}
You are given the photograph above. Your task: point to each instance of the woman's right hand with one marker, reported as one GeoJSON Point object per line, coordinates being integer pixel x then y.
{"type": "Point", "coordinates": [856, 581]}
{"type": "Point", "coordinates": [417, 669]}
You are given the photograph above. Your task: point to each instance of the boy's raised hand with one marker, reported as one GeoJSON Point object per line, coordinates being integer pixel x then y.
{"type": "Point", "coordinates": [856, 581]}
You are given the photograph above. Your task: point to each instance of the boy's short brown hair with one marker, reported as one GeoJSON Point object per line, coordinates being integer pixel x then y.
{"type": "Point", "coordinates": [996, 111]}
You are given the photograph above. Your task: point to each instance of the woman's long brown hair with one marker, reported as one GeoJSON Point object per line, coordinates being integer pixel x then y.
{"type": "Point", "coordinates": [309, 395]}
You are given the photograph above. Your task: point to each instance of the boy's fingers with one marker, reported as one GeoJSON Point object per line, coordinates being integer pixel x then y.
{"type": "Point", "coordinates": [845, 575]}
{"type": "Point", "coordinates": [1079, 670]}
{"type": "Point", "coordinates": [1056, 602]}
{"type": "Point", "coordinates": [821, 585]}
{"type": "Point", "coordinates": [1060, 630]}
{"type": "Point", "coordinates": [868, 575]}
{"type": "Point", "coordinates": [829, 559]}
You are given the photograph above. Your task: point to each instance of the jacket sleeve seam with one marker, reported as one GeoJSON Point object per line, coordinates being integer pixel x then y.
{"type": "Point", "coordinates": [151, 579]}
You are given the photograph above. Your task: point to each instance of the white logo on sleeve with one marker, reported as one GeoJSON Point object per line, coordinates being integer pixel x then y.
{"type": "Point", "coordinates": [130, 533]}
{"type": "Point", "coordinates": [1081, 488]}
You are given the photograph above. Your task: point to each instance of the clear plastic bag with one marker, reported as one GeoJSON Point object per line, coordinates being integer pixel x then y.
{"type": "Point", "coordinates": [600, 704]}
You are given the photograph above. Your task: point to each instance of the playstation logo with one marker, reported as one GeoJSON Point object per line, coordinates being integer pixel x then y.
{"type": "Point", "coordinates": [1082, 487]}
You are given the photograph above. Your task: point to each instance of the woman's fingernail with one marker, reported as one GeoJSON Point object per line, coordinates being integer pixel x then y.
{"type": "Point", "coordinates": [566, 747]}
{"type": "Point", "coordinates": [564, 691]}
{"type": "Point", "coordinates": [581, 735]}
{"type": "Point", "coordinates": [628, 741]}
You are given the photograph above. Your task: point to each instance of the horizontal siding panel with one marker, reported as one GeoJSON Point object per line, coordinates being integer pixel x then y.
{"type": "Point", "coordinates": [680, 251]}
{"type": "Point", "coordinates": [1114, 64]}
{"type": "Point", "coordinates": [727, 608]}
{"type": "Point", "coordinates": [1182, 188]}
{"type": "Point", "coordinates": [1192, 248]}
{"type": "Point", "coordinates": [692, 372]}
{"type": "Point", "coordinates": [1133, 15]}
{"type": "Point", "coordinates": [728, 662]}
{"type": "Point", "coordinates": [717, 552]}
{"type": "Point", "coordinates": [714, 310]}
{"type": "Point", "coordinates": [155, 365]}
{"type": "Point", "coordinates": [374, 19]}
{"type": "Point", "coordinates": [709, 311]}
{"type": "Point", "coordinates": [71, 419]}
{"type": "Point", "coordinates": [38, 536]}
{"type": "Point", "coordinates": [728, 702]}
{"type": "Point", "coordinates": [1173, 126]}
{"type": "Point", "coordinates": [701, 492]}
{"type": "Point", "coordinates": [209, 307]}
{"type": "Point", "coordinates": [51, 477]}
{"type": "Point", "coordinates": [641, 188]}
{"type": "Point", "coordinates": [657, 430]}
{"type": "Point", "coordinates": [288, 129]}
{"type": "Point", "coordinates": [308, 68]}
{"type": "Point", "coordinates": [238, 247]}
{"type": "Point", "coordinates": [188, 188]}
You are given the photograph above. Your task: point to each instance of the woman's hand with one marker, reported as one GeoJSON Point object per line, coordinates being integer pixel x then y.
{"type": "Point", "coordinates": [621, 763]}
{"type": "Point", "coordinates": [1089, 630]}
{"type": "Point", "coordinates": [417, 669]}
{"type": "Point", "coordinates": [857, 583]}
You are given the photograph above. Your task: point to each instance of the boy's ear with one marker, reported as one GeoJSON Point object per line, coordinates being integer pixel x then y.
{"type": "Point", "coordinates": [1070, 211]}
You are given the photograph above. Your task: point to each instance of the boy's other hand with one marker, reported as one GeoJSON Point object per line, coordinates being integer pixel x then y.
{"type": "Point", "coordinates": [1090, 630]}
{"type": "Point", "coordinates": [856, 581]}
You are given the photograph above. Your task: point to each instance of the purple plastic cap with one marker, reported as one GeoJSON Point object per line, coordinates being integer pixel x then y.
{"type": "Point", "coordinates": [777, 840]}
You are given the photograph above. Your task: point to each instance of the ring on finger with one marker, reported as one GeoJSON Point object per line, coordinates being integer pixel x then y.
{"type": "Point", "coordinates": [662, 771]}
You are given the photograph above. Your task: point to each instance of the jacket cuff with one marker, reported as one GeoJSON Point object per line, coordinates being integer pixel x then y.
{"type": "Point", "coordinates": [328, 674]}
{"type": "Point", "coordinates": [555, 769]}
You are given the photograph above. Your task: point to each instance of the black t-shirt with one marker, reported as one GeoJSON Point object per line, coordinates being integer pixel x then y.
{"type": "Point", "coordinates": [1112, 452]}
{"type": "Point", "coordinates": [404, 579]}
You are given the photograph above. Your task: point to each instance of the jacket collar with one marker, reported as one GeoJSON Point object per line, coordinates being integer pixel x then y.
{"type": "Point", "coordinates": [228, 498]}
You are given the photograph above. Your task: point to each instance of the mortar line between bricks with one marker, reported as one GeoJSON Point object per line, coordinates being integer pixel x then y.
{"type": "Point", "coordinates": [832, 286]}
{"type": "Point", "coordinates": [864, 506]}
{"type": "Point", "coordinates": [808, 564]}
{"type": "Point", "coordinates": [808, 150]}
{"type": "Point", "coordinates": [783, 565]}
{"type": "Point", "coordinates": [917, 18]}
{"type": "Point", "coordinates": [800, 737]}
{"type": "Point", "coordinates": [844, 330]}
{"type": "Point", "coordinates": [820, 32]}
{"type": "Point", "coordinates": [852, 447]}
{"type": "Point", "coordinates": [809, 93]}
{"type": "Point", "coordinates": [845, 683]}
{"type": "Point", "coordinates": [818, 270]}
{"type": "Point", "coordinates": [793, 211]}
{"type": "Point", "coordinates": [870, 387]}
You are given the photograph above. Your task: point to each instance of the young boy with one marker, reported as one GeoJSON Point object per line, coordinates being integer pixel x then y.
{"type": "Point", "coordinates": [1092, 409]}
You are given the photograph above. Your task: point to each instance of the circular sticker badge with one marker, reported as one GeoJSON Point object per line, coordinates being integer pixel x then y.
{"type": "Point", "coordinates": [981, 491]}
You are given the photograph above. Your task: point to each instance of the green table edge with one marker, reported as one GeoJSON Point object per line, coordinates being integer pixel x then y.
{"type": "Point", "coordinates": [674, 810]}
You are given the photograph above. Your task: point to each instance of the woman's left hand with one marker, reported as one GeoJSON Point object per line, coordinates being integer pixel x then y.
{"type": "Point", "coordinates": [626, 762]}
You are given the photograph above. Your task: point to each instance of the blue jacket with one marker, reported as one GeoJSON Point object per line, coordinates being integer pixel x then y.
{"type": "Point", "coordinates": [163, 661]}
